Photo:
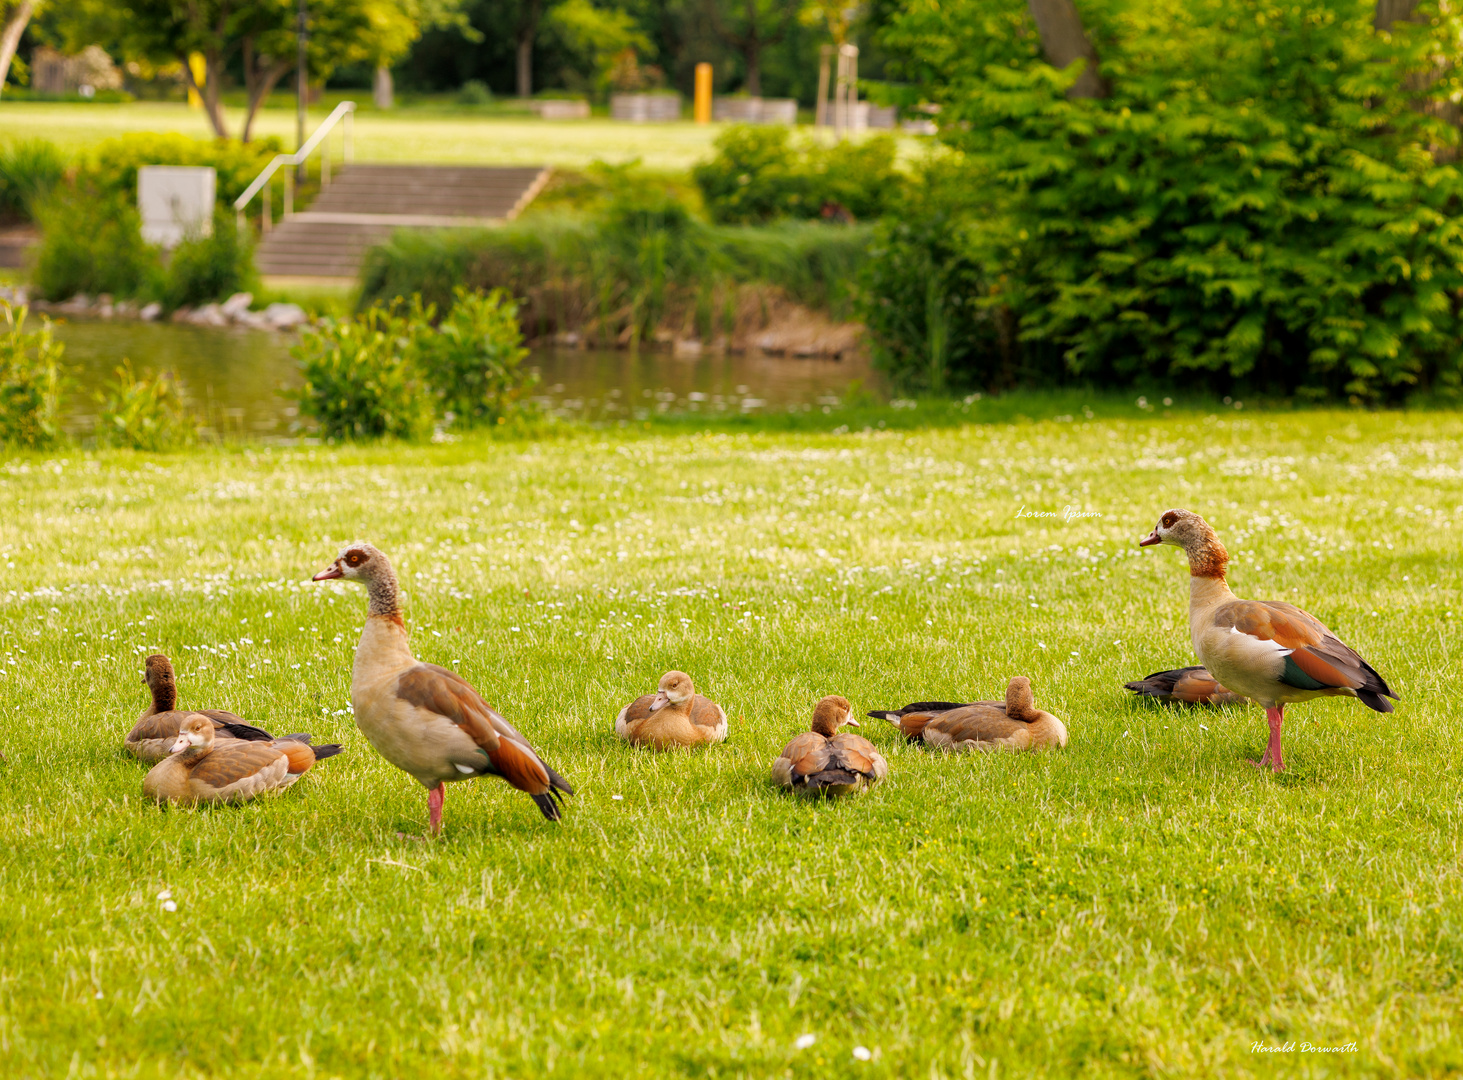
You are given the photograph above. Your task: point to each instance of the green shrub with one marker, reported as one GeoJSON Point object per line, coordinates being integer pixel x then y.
{"type": "Point", "coordinates": [29, 170]}
{"type": "Point", "coordinates": [1255, 203]}
{"type": "Point", "coordinates": [474, 92]}
{"type": "Point", "coordinates": [92, 243]}
{"type": "Point", "coordinates": [30, 383]}
{"type": "Point", "coordinates": [111, 166]}
{"type": "Point", "coordinates": [210, 268]}
{"type": "Point", "coordinates": [474, 358]}
{"type": "Point", "coordinates": [359, 379]}
{"type": "Point", "coordinates": [146, 413]}
{"type": "Point", "coordinates": [758, 174]}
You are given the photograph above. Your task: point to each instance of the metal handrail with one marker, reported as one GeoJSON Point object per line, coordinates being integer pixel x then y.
{"type": "Point", "coordinates": [344, 111]}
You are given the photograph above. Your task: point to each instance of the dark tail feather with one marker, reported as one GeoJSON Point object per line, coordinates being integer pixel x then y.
{"type": "Point", "coordinates": [547, 804]}
{"type": "Point", "coordinates": [328, 750]}
{"type": "Point", "coordinates": [1373, 700]}
{"type": "Point", "coordinates": [885, 714]}
{"type": "Point", "coordinates": [557, 782]}
{"type": "Point", "coordinates": [828, 778]}
{"type": "Point", "coordinates": [248, 732]}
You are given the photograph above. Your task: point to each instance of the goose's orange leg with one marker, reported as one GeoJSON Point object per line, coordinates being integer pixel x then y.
{"type": "Point", "coordinates": [435, 798]}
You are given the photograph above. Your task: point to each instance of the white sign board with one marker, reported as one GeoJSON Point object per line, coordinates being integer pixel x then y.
{"type": "Point", "coordinates": [176, 202]}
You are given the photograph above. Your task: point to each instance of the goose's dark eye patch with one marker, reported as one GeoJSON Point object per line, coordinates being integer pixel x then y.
{"type": "Point", "coordinates": [355, 558]}
{"type": "Point", "coordinates": [1169, 519]}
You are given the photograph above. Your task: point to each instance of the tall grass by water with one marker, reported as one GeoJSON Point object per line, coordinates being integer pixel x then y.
{"type": "Point", "coordinates": [1143, 903]}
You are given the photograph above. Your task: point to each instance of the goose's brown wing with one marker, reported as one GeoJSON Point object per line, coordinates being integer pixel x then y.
{"type": "Point", "coordinates": [1317, 658]}
{"type": "Point", "coordinates": [986, 722]}
{"type": "Point", "coordinates": [857, 754]}
{"type": "Point", "coordinates": [448, 694]}
{"type": "Point", "coordinates": [706, 713]}
{"type": "Point", "coordinates": [805, 756]}
{"type": "Point", "coordinates": [228, 763]}
{"type": "Point", "coordinates": [1193, 685]}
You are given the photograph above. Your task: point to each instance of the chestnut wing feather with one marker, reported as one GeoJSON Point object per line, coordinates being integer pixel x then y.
{"type": "Point", "coordinates": [638, 709]}
{"type": "Point", "coordinates": [984, 722]}
{"type": "Point", "coordinates": [857, 754]}
{"type": "Point", "coordinates": [807, 754]}
{"type": "Point", "coordinates": [228, 763]}
{"type": "Point", "coordinates": [1318, 659]}
{"type": "Point", "coordinates": [448, 694]}
{"type": "Point", "coordinates": [705, 713]}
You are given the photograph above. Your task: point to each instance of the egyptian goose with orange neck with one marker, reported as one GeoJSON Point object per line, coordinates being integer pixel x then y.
{"type": "Point", "coordinates": [823, 762]}
{"type": "Point", "coordinates": [200, 767]}
{"type": "Point", "coordinates": [152, 737]}
{"type": "Point", "coordinates": [1266, 650]}
{"type": "Point", "coordinates": [1191, 685]}
{"type": "Point", "coordinates": [1013, 724]}
{"type": "Point", "coordinates": [675, 715]}
{"type": "Point", "coordinates": [424, 719]}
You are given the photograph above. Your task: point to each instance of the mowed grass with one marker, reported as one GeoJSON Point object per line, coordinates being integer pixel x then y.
{"type": "Point", "coordinates": [413, 135]}
{"type": "Point", "coordinates": [1142, 903]}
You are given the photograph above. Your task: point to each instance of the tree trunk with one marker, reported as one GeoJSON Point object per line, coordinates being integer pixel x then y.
{"type": "Point", "coordinates": [383, 90]}
{"type": "Point", "coordinates": [10, 38]}
{"type": "Point", "coordinates": [209, 90]}
{"type": "Point", "coordinates": [527, 31]}
{"type": "Point", "coordinates": [1391, 11]}
{"type": "Point", "coordinates": [1065, 42]}
{"type": "Point", "coordinates": [752, 56]}
{"type": "Point", "coordinates": [264, 84]}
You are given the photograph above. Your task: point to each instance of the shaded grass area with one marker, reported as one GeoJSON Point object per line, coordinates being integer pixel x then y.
{"type": "Point", "coordinates": [1143, 903]}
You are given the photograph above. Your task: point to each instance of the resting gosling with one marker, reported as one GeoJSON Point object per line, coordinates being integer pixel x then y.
{"type": "Point", "coordinates": [823, 762]}
{"type": "Point", "coordinates": [152, 737]}
{"type": "Point", "coordinates": [1015, 724]}
{"type": "Point", "coordinates": [424, 719]}
{"type": "Point", "coordinates": [203, 768]}
{"type": "Point", "coordinates": [675, 715]}
{"type": "Point", "coordinates": [1266, 650]}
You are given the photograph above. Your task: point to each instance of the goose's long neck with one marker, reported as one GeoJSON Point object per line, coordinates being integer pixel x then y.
{"type": "Point", "coordinates": [383, 591]}
{"type": "Point", "coordinates": [164, 694]}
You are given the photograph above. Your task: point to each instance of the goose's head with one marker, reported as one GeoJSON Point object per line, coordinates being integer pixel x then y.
{"type": "Point", "coordinates": [195, 733]}
{"type": "Point", "coordinates": [1181, 528]}
{"type": "Point", "coordinates": [675, 689]}
{"type": "Point", "coordinates": [356, 562]}
{"type": "Point", "coordinates": [832, 713]}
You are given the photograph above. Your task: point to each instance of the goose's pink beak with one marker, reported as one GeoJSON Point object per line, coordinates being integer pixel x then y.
{"type": "Point", "coordinates": [1151, 539]}
{"type": "Point", "coordinates": [180, 745]}
{"type": "Point", "coordinates": [662, 699]}
{"type": "Point", "coordinates": [331, 571]}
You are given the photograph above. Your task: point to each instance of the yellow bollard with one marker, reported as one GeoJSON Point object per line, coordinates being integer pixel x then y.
{"type": "Point", "coordinates": [200, 70]}
{"type": "Point", "coordinates": [702, 109]}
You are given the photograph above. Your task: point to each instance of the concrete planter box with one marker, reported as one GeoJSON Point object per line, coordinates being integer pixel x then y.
{"type": "Point", "coordinates": [754, 110]}
{"type": "Point", "coordinates": [561, 109]}
{"type": "Point", "coordinates": [645, 108]}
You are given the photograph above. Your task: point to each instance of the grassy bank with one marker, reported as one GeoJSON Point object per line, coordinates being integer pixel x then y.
{"type": "Point", "coordinates": [1143, 903]}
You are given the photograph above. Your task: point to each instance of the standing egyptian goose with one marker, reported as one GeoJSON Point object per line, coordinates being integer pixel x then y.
{"type": "Point", "coordinates": [152, 737]}
{"type": "Point", "coordinates": [428, 721]}
{"type": "Point", "coordinates": [1193, 685]}
{"type": "Point", "coordinates": [675, 715]}
{"type": "Point", "coordinates": [823, 762]}
{"type": "Point", "coordinates": [1270, 651]}
{"type": "Point", "coordinates": [1013, 724]}
{"type": "Point", "coordinates": [204, 768]}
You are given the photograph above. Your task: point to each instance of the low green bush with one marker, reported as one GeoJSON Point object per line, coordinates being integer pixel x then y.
{"type": "Point", "coordinates": [474, 358]}
{"type": "Point", "coordinates": [91, 242]}
{"type": "Point", "coordinates": [29, 170]}
{"type": "Point", "coordinates": [360, 381]}
{"type": "Point", "coordinates": [474, 92]}
{"type": "Point", "coordinates": [144, 413]}
{"type": "Point", "coordinates": [640, 263]}
{"type": "Point", "coordinates": [209, 268]}
{"type": "Point", "coordinates": [112, 165]}
{"type": "Point", "coordinates": [31, 384]}
{"type": "Point", "coordinates": [759, 173]}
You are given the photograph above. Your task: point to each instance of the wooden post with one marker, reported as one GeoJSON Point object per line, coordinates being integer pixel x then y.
{"type": "Point", "coordinates": [825, 53]}
{"type": "Point", "coordinates": [702, 108]}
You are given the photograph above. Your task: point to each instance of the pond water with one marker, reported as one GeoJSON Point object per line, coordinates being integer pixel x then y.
{"type": "Point", "coordinates": [235, 377]}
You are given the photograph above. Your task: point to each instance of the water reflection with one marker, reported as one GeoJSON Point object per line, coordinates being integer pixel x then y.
{"type": "Point", "coordinates": [237, 379]}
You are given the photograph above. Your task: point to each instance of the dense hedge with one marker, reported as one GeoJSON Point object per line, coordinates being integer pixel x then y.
{"type": "Point", "coordinates": [1258, 202]}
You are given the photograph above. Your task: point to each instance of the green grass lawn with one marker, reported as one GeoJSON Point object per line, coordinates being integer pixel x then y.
{"type": "Point", "coordinates": [425, 135]}
{"type": "Point", "coordinates": [1143, 903]}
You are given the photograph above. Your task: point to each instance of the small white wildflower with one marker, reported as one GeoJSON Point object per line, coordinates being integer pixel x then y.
{"type": "Point", "coordinates": [166, 894]}
{"type": "Point", "coordinates": [617, 797]}
{"type": "Point", "coordinates": [805, 1041]}
{"type": "Point", "coordinates": [862, 1053]}
{"type": "Point", "coordinates": [1041, 644]}
{"type": "Point", "coordinates": [170, 905]}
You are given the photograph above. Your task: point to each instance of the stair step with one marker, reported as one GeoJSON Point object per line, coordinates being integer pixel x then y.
{"type": "Point", "coordinates": [401, 196]}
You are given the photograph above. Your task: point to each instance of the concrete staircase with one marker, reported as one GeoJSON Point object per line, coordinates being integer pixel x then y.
{"type": "Point", "coordinates": [367, 203]}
